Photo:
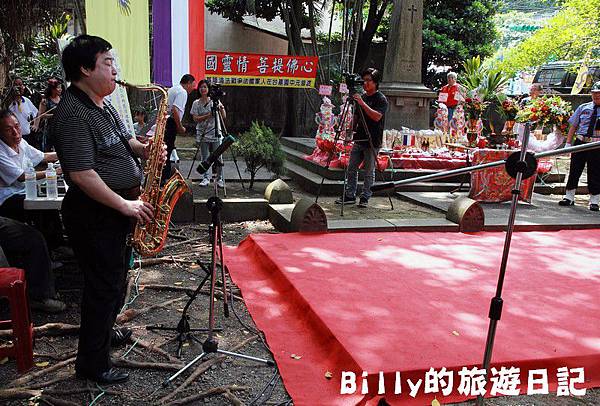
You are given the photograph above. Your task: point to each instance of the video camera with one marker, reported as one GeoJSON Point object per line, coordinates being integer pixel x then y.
{"type": "Point", "coordinates": [353, 81]}
{"type": "Point", "coordinates": [216, 92]}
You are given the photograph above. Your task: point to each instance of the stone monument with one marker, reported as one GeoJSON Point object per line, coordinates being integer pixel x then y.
{"type": "Point", "coordinates": [402, 83]}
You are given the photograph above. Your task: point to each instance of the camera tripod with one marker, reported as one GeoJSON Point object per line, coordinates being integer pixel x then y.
{"type": "Point", "coordinates": [220, 129]}
{"type": "Point", "coordinates": [346, 109]}
{"type": "Point", "coordinates": [211, 345]}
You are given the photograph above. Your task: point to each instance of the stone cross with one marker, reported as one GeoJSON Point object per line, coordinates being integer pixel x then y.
{"type": "Point", "coordinates": [404, 48]}
{"type": "Point", "coordinates": [412, 13]}
{"type": "Point", "coordinates": [402, 83]}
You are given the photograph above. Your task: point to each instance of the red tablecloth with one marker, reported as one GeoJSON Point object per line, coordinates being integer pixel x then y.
{"type": "Point", "coordinates": [399, 160]}
{"type": "Point", "coordinates": [428, 163]}
{"type": "Point", "coordinates": [494, 184]}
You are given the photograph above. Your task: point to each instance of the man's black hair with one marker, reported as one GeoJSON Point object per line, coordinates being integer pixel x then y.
{"type": "Point", "coordinates": [82, 52]}
{"type": "Point", "coordinates": [187, 78]}
{"type": "Point", "coordinates": [375, 75]}
{"type": "Point", "coordinates": [6, 113]}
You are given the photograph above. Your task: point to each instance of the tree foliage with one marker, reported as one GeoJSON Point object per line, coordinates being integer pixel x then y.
{"type": "Point", "coordinates": [456, 30]}
{"type": "Point", "coordinates": [21, 24]}
{"type": "Point", "coordinates": [260, 147]}
{"type": "Point", "coordinates": [569, 35]}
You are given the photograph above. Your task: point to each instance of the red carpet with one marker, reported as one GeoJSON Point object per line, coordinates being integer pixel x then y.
{"type": "Point", "coordinates": [410, 301]}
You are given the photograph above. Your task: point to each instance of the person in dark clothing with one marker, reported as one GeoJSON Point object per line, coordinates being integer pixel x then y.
{"type": "Point", "coordinates": [101, 166]}
{"type": "Point", "coordinates": [367, 141]}
{"type": "Point", "coordinates": [25, 247]}
{"type": "Point", "coordinates": [585, 127]}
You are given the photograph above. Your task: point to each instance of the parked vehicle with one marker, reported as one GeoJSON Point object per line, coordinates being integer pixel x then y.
{"type": "Point", "coordinates": [559, 77]}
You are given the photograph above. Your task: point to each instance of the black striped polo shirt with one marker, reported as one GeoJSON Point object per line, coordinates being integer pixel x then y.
{"type": "Point", "coordinates": [87, 137]}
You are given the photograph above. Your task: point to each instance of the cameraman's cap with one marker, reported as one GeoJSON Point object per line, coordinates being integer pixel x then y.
{"type": "Point", "coordinates": [595, 87]}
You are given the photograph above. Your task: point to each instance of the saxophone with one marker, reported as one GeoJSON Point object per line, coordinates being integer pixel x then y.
{"type": "Point", "coordinates": [149, 239]}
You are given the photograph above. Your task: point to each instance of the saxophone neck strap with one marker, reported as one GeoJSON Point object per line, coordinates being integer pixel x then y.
{"type": "Point", "coordinates": [122, 138]}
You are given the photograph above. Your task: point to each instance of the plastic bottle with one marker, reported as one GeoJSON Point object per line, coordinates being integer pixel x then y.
{"type": "Point", "coordinates": [51, 185]}
{"type": "Point", "coordinates": [30, 181]}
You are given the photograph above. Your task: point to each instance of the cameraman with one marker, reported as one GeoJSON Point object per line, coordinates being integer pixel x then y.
{"type": "Point", "coordinates": [206, 137]}
{"type": "Point", "coordinates": [374, 105]}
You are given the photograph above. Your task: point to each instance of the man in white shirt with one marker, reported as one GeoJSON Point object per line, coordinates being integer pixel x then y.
{"type": "Point", "coordinates": [15, 152]}
{"type": "Point", "coordinates": [23, 108]}
{"type": "Point", "coordinates": [177, 99]}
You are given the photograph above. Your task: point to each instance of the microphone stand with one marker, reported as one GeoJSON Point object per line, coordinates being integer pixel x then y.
{"type": "Point", "coordinates": [521, 167]}
{"type": "Point", "coordinates": [211, 345]}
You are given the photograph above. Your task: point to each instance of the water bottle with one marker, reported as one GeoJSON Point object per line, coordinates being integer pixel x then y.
{"type": "Point", "coordinates": [51, 185]}
{"type": "Point", "coordinates": [30, 181]}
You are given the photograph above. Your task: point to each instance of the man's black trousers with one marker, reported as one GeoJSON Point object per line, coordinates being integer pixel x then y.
{"type": "Point", "coordinates": [578, 161]}
{"type": "Point", "coordinates": [98, 235]}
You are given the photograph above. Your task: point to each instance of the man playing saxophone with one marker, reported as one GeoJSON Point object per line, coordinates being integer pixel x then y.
{"type": "Point", "coordinates": [101, 166]}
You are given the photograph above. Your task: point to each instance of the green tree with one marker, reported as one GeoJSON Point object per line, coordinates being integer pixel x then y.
{"type": "Point", "coordinates": [260, 147]}
{"type": "Point", "coordinates": [454, 31]}
{"type": "Point", "coordinates": [376, 11]}
{"type": "Point", "coordinates": [21, 24]}
{"type": "Point", "coordinates": [569, 35]}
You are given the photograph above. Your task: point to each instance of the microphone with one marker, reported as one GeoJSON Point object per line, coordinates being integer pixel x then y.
{"type": "Point", "coordinates": [205, 165]}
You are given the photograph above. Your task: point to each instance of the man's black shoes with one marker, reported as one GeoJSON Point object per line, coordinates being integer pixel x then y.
{"type": "Point", "coordinates": [346, 200]}
{"type": "Point", "coordinates": [363, 203]}
{"type": "Point", "coordinates": [566, 202]}
{"type": "Point", "coordinates": [119, 336]}
{"type": "Point", "coordinates": [594, 207]}
{"type": "Point", "coordinates": [110, 377]}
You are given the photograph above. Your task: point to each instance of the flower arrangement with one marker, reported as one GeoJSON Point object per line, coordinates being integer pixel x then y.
{"type": "Point", "coordinates": [474, 107]}
{"type": "Point", "coordinates": [509, 109]}
{"type": "Point", "coordinates": [547, 111]}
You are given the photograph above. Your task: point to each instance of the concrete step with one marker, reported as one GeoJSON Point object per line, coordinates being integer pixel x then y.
{"type": "Point", "coordinates": [304, 145]}
{"type": "Point", "coordinates": [310, 182]}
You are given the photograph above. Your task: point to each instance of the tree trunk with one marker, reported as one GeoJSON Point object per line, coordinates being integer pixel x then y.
{"type": "Point", "coordinates": [366, 35]}
{"type": "Point", "coordinates": [313, 38]}
{"type": "Point", "coordinates": [356, 30]}
{"type": "Point", "coordinates": [3, 68]}
{"type": "Point", "coordinates": [292, 12]}
{"type": "Point", "coordinates": [252, 175]}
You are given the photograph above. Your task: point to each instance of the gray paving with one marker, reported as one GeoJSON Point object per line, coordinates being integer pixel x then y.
{"type": "Point", "coordinates": [542, 213]}
{"type": "Point", "coordinates": [229, 171]}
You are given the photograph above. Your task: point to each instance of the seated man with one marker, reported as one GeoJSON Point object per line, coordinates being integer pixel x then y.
{"type": "Point", "coordinates": [14, 154]}
{"type": "Point", "coordinates": [26, 248]}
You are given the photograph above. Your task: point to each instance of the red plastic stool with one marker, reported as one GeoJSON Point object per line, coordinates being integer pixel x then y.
{"type": "Point", "coordinates": [12, 286]}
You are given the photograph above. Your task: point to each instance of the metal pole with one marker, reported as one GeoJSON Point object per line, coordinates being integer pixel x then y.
{"type": "Point", "coordinates": [496, 302]}
{"type": "Point", "coordinates": [446, 174]}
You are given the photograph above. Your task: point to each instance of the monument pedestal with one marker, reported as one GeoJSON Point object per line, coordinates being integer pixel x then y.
{"type": "Point", "coordinates": [408, 105]}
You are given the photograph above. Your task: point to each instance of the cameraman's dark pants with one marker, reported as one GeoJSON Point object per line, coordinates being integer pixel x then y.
{"type": "Point", "coordinates": [578, 161]}
{"type": "Point", "coordinates": [98, 235]}
{"type": "Point", "coordinates": [170, 136]}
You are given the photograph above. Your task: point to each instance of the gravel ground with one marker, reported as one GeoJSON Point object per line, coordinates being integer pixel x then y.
{"type": "Point", "coordinates": [245, 380]}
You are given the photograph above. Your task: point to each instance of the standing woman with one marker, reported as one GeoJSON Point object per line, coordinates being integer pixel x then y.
{"type": "Point", "coordinates": [206, 136]}
{"type": "Point", "coordinates": [50, 100]}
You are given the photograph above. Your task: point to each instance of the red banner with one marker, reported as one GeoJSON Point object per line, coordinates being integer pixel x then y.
{"type": "Point", "coordinates": [244, 69]}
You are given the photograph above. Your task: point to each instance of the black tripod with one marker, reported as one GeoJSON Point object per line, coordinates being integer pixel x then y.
{"type": "Point", "coordinates": [184, 331]}
{"type": "Point", "coordinates": [220, 128]}
{"type": "Point", "coordinates": [215, 205]}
